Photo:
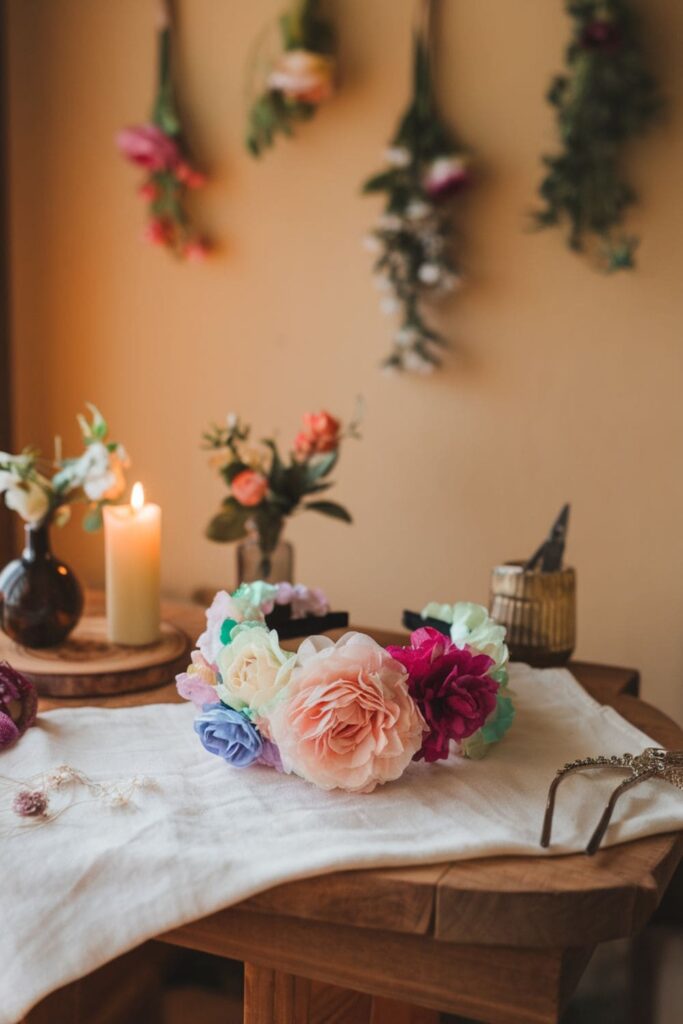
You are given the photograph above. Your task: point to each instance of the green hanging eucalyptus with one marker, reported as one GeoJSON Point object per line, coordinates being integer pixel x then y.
{"type": "Point", "coordinates": [606, 97]}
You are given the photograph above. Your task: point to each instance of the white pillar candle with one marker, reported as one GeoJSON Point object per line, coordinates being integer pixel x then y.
{"type": "Point", "coordinates": [132, 543]}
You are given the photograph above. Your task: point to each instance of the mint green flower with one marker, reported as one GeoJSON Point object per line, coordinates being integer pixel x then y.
{"type": "Point", "coordinates": [255, 600]}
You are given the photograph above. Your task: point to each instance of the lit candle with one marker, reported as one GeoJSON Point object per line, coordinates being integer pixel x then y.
{"type": "Point", "coordinates": [132, 543]}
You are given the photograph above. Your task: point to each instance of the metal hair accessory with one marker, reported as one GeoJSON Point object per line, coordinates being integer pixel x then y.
{"type": "Point", "coordinates": [654, 762]}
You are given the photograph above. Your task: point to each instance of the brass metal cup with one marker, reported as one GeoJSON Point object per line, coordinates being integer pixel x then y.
{"type": "Point", "coordinates": [538, 610]}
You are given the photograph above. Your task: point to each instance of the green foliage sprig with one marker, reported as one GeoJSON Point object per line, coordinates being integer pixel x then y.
{"type": "Point", "coordinates": [298, 82]}
{"type": "Point", "coordinates": [413, 238]}
{"type": "Point", "coordinates": [606, 97]}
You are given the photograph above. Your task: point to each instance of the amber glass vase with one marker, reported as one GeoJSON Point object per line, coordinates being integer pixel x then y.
{"type": "Point", "coordinates": [41, 599]}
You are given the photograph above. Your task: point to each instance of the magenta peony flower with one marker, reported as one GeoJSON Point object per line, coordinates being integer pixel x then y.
{"type": "Point", "coordinates": [18, 702]}
{"type": "Point", "coordinates": [450, 685]}
{"type": "Point", "coordinates": [147, 146]}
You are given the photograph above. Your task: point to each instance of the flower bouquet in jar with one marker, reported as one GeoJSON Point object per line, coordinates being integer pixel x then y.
{"type": "Point", "coordinates": [265, 488]}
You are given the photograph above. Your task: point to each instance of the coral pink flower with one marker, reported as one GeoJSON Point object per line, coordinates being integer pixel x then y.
{"type": "Point", "coordinates": [446, 175]}
{"type": "Point", "coordinates": [346, 720]}
{"type": "Point", "coordinates": [148, 191]}
{"type": "Point", "coordinates": [320, 434]}
{"type": "Point", "coordinates": [303, 76]}
{"type": "Point", "coordinates": [196, 251]}
{"type": "Point", "coordinates": [451, 686]}
{"type": "Point", "coordinates": [157, 232]}
{"type": "Point", "coordinates": [188, 176]}
{"type": "Point", "coordinates": [147, 146]}
{"type": "Point", "coordinates": [249, 487]}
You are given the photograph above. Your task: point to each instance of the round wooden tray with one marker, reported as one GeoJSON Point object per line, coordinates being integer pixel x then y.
{"type": "Point", "coordinates": [88, 665]}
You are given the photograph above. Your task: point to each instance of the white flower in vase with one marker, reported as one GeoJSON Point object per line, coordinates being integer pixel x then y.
{"type": "Point", "coordinates": [100, 472]}
{"type": "Point", "coordinates": [29, 498]}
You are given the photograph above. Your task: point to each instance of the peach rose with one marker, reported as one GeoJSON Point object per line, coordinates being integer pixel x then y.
{"type": "Point", "coordinates": [249, 488]}
{"type": "Point", "coordinates": [303, 76]}
{"type": "Point", "coordinates": [346, 720]}
{"type": "Point", "coordinates": [320, 434]}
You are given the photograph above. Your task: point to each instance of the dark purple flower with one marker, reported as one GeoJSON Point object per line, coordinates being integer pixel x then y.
{"type": "Point", "coordinates": [601, 35]}
{"type": "Point", "coordinates": [229, 734]}
{"type": "Point", "coordinates": [8, 730]}
{"type": "Point", "coordinates": [450, 685]}
{"type": "Point", "coordinates": [18, 701]}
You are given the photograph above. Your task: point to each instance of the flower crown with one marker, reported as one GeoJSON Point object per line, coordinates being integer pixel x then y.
{"type": "Point", "coordinates": [345, 714]}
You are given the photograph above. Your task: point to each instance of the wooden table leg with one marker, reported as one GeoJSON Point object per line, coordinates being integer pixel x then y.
{"type": "Point", "coordinates": [273, 997]}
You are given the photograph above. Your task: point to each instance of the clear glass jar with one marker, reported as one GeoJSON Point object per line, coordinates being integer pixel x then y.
{"type": "Point", "coordinates": [256, 563]}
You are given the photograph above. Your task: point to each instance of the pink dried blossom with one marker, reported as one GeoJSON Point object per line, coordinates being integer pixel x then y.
{"type": "Point", "coordinates": [157, 232]}
{"type": "Point", "coordinates": [148, 146]}
{"type": "Point", "coordinates": [28, 804]}
{"type": "Point", "coordinates": [196, 251]}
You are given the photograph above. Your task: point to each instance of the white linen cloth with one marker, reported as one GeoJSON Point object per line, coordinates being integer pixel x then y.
{"type": "Point", "coordinates": [97, 880]}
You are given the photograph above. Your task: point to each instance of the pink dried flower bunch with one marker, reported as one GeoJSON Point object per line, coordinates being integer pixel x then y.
{"type": "Point", "coordinates": [169, 176]}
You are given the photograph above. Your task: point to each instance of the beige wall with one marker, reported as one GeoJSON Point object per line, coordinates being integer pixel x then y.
{"type": "Point", "coordinates": [567, 384]}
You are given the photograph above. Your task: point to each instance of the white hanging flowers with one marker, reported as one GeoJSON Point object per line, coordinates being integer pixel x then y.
{"type": "Point", "coordinates": [412, 239]}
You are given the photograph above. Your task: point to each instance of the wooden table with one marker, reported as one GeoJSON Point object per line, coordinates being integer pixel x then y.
{"type": "Point", "coordinates": [503, 940]}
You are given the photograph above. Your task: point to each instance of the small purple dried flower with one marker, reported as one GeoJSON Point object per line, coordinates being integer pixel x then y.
{"type": "Point", "coordinates": [18, 699]}
{"type": "Point", "coordinates": [601, 36]}
{"type": "Point", "coordinates": [28, 804]}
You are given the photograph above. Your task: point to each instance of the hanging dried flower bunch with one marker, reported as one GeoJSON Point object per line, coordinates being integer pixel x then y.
{"type": "Point", "coordinates": [413, 238]}
{"type": "Point", "coordinates": [606, 96]}
{"type": "Point", "coordinates": [159, 148]}
{"type": "Point", "coordinates": [297, 82]}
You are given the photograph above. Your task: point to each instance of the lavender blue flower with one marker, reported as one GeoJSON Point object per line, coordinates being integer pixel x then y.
{"type": "Point", "coordinates": [229, 734]}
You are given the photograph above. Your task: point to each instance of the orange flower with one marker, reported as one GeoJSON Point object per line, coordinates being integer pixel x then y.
{"type": "Point", "coordinates": [249, 488]}
{"type": "Point", "coordinates": [320, 434]}
{"type": "Point", "coordinates": [303, 76]}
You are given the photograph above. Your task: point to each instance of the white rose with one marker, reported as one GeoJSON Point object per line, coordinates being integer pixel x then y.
{"type": "Point", "coordinates": [100, 472]}
{"type": "Point", "coordinates": [29, 498]}
{"type": "Point", "coordinates": [253, 668]}
{"type": "Point", "coordinates": [473, 627]}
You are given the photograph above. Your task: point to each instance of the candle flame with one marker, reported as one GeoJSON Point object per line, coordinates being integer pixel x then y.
{"type": "Point", "coordinates": [137, 497]}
